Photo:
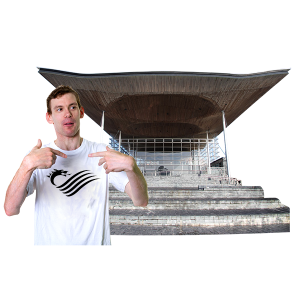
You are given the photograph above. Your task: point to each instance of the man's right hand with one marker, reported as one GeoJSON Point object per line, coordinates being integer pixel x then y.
{"type": "Point", "coordinates": [41, 158]}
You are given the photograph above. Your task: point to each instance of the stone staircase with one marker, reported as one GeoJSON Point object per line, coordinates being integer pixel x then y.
{"type": "Point", "coordinates": [186, 180]}
{"type": "Point", "coordinates": [177, 207]}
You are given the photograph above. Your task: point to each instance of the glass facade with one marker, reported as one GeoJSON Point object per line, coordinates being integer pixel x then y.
{"type": "Point", "coordinates": [172, 156]}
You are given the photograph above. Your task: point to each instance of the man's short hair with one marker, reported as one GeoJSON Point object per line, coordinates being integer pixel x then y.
{"type": "Point", "coordinates": [60, 91]}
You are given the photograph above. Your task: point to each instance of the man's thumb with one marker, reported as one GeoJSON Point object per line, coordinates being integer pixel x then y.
{"type": "Point", "coordinates": [38, 145]}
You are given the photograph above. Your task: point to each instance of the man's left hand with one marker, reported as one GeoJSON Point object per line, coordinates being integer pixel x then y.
{"type": "Point", "coordinates": [114, 161]}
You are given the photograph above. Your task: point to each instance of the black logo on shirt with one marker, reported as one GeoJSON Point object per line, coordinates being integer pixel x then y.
{"type": "Point", "coordinates": [75, 183]}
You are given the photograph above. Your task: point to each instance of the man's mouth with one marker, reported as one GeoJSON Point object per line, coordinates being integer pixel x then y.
{"type": "Point", "coordinates": [69, 124]}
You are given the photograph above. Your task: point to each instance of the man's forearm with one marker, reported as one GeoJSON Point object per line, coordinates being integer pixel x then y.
{"type": "Point", "coordinates": [138, 187]}
{"type": "Point", "coordinates": [16, 192]}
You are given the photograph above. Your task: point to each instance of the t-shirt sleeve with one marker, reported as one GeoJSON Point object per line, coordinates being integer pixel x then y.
{"type": "Point", "coordinates": [31, 186]}
{"type": "Point", "coordinates": [32, 182]}
{"type": "Point", "coordinates": [118, 180]}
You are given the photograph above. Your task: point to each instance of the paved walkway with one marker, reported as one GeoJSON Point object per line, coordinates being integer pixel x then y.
{"type": "Point", "coordinates": [138, 230]}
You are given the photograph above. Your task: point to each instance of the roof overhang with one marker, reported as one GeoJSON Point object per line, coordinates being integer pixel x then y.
{"type": "Point", "coordinates": [166, 104]}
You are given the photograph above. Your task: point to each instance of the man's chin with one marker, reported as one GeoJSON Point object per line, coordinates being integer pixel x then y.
{"type": "Point", "coordinates": [69, 133]}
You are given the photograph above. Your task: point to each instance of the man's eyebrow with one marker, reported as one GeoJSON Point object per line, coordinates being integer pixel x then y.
{"type": "Point", "coordinates": [59, 106]}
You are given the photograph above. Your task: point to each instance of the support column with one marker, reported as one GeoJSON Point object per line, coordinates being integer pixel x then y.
{"type": "Point", "coordinates": [226, 149]}
{"type": "Point", "coordinates": [120, 141]}
{"type": "Point", "coordinates": [102, 128]}
{"type": "Point", "coordinates": [199, 156]}
{"type": "Point", "coordinates": [133, 147]}
{"type": "Point", "coordinates": [208, 154]}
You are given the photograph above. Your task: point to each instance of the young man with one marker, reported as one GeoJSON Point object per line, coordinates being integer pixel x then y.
{"type": "Point", "coordinates": [71, 176]}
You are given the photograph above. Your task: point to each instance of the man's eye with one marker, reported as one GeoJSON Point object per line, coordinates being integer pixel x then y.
{"type": "Point", "coordinates": [73, 107]}
{"type": "Point", "coordinates": [59, 109]}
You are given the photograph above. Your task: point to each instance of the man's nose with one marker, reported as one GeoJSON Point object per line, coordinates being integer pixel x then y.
{"type": "Point", "coordinates": [68, 113]}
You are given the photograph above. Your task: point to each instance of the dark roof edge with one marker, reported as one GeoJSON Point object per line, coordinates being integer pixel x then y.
{"type": "Point", "coordinates": [166, 73]}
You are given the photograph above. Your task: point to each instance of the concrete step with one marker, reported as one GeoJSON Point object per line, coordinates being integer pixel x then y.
{"type": "Point", "coordinates": [203, 217]}
{"type": "Point", "coordinates": [203, 191]}
{"type": "Point", "coordinates": [195, 230]}
{"type": "Point", "coordinates": [204, 203]}
{"type": "Point", "coordinates": [187, 184]}
{"type": "Point", "coordinates": [185, 180]}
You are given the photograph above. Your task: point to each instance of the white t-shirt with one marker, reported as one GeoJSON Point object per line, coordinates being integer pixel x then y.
{"type": "Point", "coordinates": [71, 206]}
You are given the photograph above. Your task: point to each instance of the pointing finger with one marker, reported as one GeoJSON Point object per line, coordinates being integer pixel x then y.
{"type": "Point", "coordinates": [98, 154]}
{"type": "Point", "coordinates": [56, 152]}
{"type": "Point", "coordinates": [101, 161]}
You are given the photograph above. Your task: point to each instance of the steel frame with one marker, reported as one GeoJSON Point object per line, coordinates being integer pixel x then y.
{"type": "Point", "coordinates": [172, 156]}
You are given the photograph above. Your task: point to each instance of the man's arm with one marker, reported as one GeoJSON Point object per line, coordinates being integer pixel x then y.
{"type": "Point", "coordinates": [115, 161]}
{"type": "Point", "coordinates": [37, 159]}
{"type": "Point", "coordinates": [136, 188]}
{"type": "Point", "coordinates": [16, 192]}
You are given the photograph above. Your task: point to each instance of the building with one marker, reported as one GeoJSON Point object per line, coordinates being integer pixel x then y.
{"type": "Point", "coordinates": [169, 122]}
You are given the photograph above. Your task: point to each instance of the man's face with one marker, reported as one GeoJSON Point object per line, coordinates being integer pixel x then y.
{"type": "Point", "coordinates": [65, 115]}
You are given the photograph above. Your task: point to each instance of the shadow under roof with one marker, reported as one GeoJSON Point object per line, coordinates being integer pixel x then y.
{"type": "Point", "coordinates": [166, 104]}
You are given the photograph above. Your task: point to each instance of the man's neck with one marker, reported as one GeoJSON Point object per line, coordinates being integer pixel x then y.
{"type": "Point", "coordinates": [69, 143]}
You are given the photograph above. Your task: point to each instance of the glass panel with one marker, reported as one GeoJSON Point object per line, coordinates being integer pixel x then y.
{"type": "Point", "coordinates": [171, 156]}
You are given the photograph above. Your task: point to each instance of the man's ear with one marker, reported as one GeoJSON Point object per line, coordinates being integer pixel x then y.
{"type": "Point", "coordinates": [81, 112]}
{"type": "Point", "coordinates": [49, 118]}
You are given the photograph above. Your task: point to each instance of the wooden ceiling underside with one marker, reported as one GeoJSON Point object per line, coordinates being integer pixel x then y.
{"type": "Point", "coordinates": [165, 104]}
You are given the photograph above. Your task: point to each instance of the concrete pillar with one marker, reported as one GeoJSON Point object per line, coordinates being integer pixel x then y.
{"type": "Point", "coordinates": [102, 128]}
{"type": "Point", "coordinates": [208, 154]}
{"type": "Point", "coordinates": [199, 155]}
{"type": "Point", "coordinates": [133, 147]}
{"type": "Point", "coordinates": [226, 148]}
{"type": "Point", "coordinates": [120, 141]}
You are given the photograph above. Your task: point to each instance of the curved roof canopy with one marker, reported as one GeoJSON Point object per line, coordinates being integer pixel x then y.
{"type": "Point", "coordinates": [166, 104]}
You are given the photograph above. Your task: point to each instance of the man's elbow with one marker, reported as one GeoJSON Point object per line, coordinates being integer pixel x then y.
{"type": "Point", "coordinates": [142, 203]}
{"type": "Point", "coordinates": [11, 212]}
